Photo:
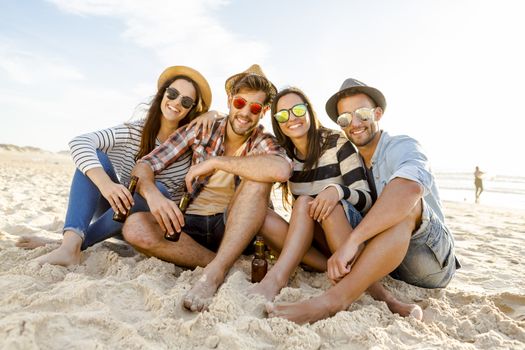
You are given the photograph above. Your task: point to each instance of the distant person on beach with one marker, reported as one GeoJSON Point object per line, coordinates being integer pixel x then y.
{"type": "Point", "coordinates": [105, 158]}
{"type": "Point", "coordinates": [234, 167]}
{"type": "Point", "coordinates": [478, 182]}
{"type": "Point", "coordinates": [330, 194]}
{"type": "Point", "coordinates": [404, 232]}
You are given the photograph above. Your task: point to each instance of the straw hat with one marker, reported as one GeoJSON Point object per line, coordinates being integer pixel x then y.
{"type": "Point", "coordinates": [353, 85]}
{"type": "Point", "coordinates": [191, 73]}
{"type": "Point", "coordinates": [254, 69]}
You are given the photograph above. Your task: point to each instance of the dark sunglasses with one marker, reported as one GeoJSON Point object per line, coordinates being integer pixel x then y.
{"type": "Point", "coordinates": [239, 103]}
{"type": "Point", "coordinates": [173, 94]}
{"type": "Point", "coordinates": [363, 113]}
{"type": "Point", "coordinates": [299, 110]}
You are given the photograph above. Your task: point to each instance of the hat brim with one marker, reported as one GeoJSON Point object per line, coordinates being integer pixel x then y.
{"type": "Point", "coordinates": [194, 75]}
{"type": "Point", "coordinates": [373, 93]}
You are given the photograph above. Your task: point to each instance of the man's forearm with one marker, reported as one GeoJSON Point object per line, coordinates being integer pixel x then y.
{"type": "Point", "coordinates": [393, 205]}
{"type": "Point", "coordinates": [146, 185]}
{"type": "Point", "coordinates": [263, 168]}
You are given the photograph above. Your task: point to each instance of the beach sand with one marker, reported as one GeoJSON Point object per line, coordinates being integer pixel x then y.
{"type": "Point", "coordinates": [119, 299]}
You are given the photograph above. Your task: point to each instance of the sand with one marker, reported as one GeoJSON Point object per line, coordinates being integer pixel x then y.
{"type": "Point", "coordinates": [119, 299]}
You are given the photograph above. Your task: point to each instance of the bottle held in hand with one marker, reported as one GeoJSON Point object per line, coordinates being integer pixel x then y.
{"type": "Point", "coordinates": [121, 217]}
{"type": "Point", "coordinates": [183, 205]}
{"type": "Point", "coordinates": [259, 263]}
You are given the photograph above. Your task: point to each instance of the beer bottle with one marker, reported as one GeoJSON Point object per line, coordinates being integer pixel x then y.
{"type": "Point", "coordinates": [259, 263]}
{"type": "Point", "coordinates": [183, 205]}
{"type": "Point", "coordinates": [121, 217]}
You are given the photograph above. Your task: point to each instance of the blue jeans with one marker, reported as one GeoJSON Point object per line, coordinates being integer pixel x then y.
{"type": "Point", "coordinates": [353, 216]}
{"type": "Point", "coordinates": [89, 214]}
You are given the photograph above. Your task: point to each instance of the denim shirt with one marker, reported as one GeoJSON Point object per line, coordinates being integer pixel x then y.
{"type": "Point", "coordinates": [402, 156]}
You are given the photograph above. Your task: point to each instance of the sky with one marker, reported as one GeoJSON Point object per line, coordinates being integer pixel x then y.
{"type": "Point", "coordinates": [452, 72]}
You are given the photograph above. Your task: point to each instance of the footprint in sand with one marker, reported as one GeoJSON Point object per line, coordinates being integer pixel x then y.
{"type": "Point", "coordinates": [512, 305]}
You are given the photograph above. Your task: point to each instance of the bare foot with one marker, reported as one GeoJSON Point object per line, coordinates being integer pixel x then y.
{"type": "Point", "coordinates": [67, 254]}
{"type": "Point", "coordinates": [32, 242]}
{"type": "Point", "coordinates": [379, 292]}
{"type": "Point", "coordinates": [268, 288]}
{"type": "Point", "coordinates": [416, 312]}
{"type": "Point", "coordinates": [404, 309]}
{"type": "Point", "coordinates": [307, 311]}
{"type": "Point", "coordinates": [199, 297]}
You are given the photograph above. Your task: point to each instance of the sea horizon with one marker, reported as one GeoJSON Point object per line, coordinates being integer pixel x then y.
{"type": "Point", "coordinates": [502, 190]}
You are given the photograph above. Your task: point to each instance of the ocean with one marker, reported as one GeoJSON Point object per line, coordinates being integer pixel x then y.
{"type": "Point", "coordinates": [498, 190]}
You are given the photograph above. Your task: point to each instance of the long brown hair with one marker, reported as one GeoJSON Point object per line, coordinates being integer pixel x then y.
{"type": "Point", "coordinates": [316, 137]}
{"type": "Point", "coordinates": [154, 116]}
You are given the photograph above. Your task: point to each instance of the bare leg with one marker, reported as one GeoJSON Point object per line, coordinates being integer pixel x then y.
{"type": "Point", "coordinates": [246, 216]}
{"type": "Point", "coordinates": [32, 242]}
{"type": "Point", "coordinates": [67, 254]}
{"type": "Point", "coordinates": [337, 231]}
{"type": "Point", "coordinates": [275, 229]}
{"type": "Point", "coordinates": [298, 241]}
{"type": "Point", "coordinates": [388, 247]}
{"type": "Point", "coordinates": [143, 232]}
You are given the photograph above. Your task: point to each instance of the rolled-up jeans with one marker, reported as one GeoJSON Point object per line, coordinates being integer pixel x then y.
{"type": "Point", "coordinates": [89, 214]}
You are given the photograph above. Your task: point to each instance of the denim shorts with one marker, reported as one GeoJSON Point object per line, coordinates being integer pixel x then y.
{"type": "Point", "coordinates": [353, 216]}
{"type": "Point", "coordinates": [207, 230]}
{"type": "Point", "coordinates": [430, 261]}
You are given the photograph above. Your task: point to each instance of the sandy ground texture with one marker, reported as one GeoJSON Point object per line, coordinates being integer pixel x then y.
{"type": "Point", "coordinates": [119, 299]}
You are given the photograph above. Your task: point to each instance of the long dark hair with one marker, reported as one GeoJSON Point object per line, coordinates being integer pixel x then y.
{"type": "Point", "coordinates": [154, 115]}
{"type": "Point", "coordinates": [316, 137]}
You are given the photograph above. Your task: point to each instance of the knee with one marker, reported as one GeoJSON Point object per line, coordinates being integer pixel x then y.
{"type": "Point", "coordinates": [302, 204]}
{"type": "Point", "coordinates": [138, 231]}
{"type": "Point", "coordinates": [414, 217]}
{"type": "Point", "coordinates": [257, 189]}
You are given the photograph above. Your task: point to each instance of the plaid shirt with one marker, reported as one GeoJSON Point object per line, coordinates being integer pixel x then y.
{"type": "Point", "coordinates": [210, 145]}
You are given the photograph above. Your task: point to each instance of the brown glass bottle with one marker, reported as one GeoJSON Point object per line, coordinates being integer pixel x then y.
{"type": "Point", "coordinates": [259, 263]}
{"type": "Point", "coordinates": [183, 205]}
{"type": "Point", "coordinates": [121, 217]}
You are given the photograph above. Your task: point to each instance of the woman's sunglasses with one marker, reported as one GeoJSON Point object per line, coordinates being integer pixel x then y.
{"type": "Point", "coordinates": [173, 94]}
{"type": "Point", "coordinates": [363, 113]}
{"type": "Point", "coordinates": [299, 110]}
{"type": "Point", "coordinates": [239, 103]}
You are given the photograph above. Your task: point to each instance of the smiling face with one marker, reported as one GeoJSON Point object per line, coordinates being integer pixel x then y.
{"type": "Point", "coordinates": [241, 120]}
{"type": "Point", "coordinates": [172, 110]}
{"type": "Point", "coordinates": [361, 133]}
{"type": "Point", "coordinates": [295, 127]}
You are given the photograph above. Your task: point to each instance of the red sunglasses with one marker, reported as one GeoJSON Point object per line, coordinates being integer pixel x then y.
{"type": "Point", "coordinates": [239, 103]}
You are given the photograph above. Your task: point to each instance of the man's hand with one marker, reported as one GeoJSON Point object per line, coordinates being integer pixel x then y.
{"type": "Point", "coordinates": [204, 168]}
{"type": "Point", "coordinates": [321, 207]}
{"type": "Point", "coordinates": [340, 262]}
{"type": "Point", "coordinates": [167, 214]}
{"type": "Point", "coordinates": [118, 196]}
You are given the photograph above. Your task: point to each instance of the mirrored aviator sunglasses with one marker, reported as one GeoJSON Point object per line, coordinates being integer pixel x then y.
{"type": "Point", "coordinates": [173, 94]}
{"type": "Point", "coordinates": [255, 107]}
{"type": "Point", "coordinates": [364, 114]}
{"type": "Point", "coordinates": [299, 110]}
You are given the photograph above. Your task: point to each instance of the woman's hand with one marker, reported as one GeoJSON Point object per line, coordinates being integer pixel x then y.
{"type": "Point", "coordinates": [205, 120]}
{"type": "Point", "coordinates": [321, 207]}
{"type": "Point", "coordinates": [118, 196]}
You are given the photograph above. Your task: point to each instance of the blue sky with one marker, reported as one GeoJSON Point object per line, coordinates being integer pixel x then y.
{"type": "Point", "coordinates": [452, 71]}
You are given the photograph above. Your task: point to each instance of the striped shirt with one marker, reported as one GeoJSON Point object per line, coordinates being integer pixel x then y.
{"type": "Point", "coordinates": [207, 146]}
{"type": "Point", "coordinates": [339, 165]}
{"type": "Point", "coordinates": [121, 143]}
